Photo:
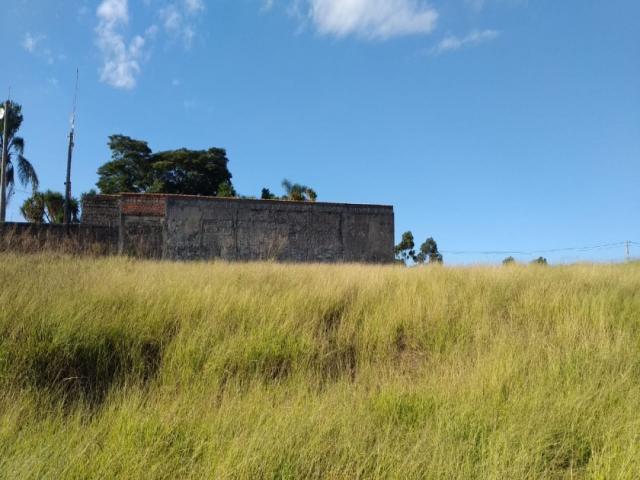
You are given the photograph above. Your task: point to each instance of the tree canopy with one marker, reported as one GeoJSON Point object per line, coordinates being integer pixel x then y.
{"type": "Point", "coordinates": [48, 207]}
{"type": "Point", "coordinates": [298, 192]}
{"type": "Point", "coordinates": [429, 252]}
{"type": "Point", "coordinates": [406, 250]}
{"type": "Point", "coordinates": [135, 168]}
{"type": "Point", "coordinates": [17, 164]}
{"type": "Point", "coordinates": [540, 261]}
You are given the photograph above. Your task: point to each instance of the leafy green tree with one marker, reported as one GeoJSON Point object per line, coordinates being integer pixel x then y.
{"type": "Point", "coordinates": [405, 250]}
{"type": "Point", "coordinates": [17, 164]}
{"type": "Point", "coordinates": [48, 207]}
{"type": "Point", "coordinates": [509, 261]}
{"type": "Point", "coordinates": [89, 194]}
{"type": "Point", "coordinates": [225, 189]}
{"type": "Point", "coordinates": [540, 261]}
{"type": "Point", "coordinates": [298, 192]}
{"type": "Point", "coordinates": [191, 172]}
{"type": "Point", "coordinates": [267, 195]}
{"type": "Point", "coordinates": [135, 168]}
{"type": "Point", "coordinates": [429, 252]}
{"type": "Point", "coordinates": [130, 168]}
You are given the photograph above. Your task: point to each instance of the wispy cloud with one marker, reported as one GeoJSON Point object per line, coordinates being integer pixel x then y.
{"type": "Point", "coordinates": [35, 45]}
{"type": "Point", "coordinates": [453, 43]}
{"type": "Point", "coordinates": [369, 19]}
{"type": "Point", "coordinates": [30, 42]}
{"type": "Point", "coordinates": [480, 4]}
{"type": "Point", "coordinates": [267, 4]}
{"type": "Point", "coordinates": [123, 57]}
{"type": "Point", "coordinates": [121, 62]}
{"type": "Point", "coordinates": [194, 6]}
{"type": "Point", "coordinates": [375, 19]}
{"type": "Point", "coordinates": [178, 19]}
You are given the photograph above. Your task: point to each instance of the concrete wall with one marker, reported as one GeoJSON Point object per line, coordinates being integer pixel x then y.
{"type": "Point", "coordinates": [31, 237]}
{"type": "Point", "coordinates": [103, 210]}
{"type": "Point", "coordinates": [187, 227]}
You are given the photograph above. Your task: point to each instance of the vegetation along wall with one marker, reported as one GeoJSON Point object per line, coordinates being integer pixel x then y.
{"type": "Point", "coordinates": [189, 228]}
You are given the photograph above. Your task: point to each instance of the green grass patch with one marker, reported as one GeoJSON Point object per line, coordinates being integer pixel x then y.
{"type": "Point", "coordinates": [115, 368]}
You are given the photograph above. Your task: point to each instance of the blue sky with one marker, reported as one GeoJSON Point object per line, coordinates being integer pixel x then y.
{"type": "Point", "coordinates": [491, 125]}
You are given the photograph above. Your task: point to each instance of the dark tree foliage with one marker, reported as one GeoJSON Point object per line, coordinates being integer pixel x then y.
{"type": "Point", "coordinates": [298, 192]}
{"type": "Point", "coordinates": [225, 189]}
{"type": "Point", "coordinates": [191, 172]}
{"type": "Point", "coordinates": [135, 168]}
{"type": "Point", "coordinates": [267, 195]}
{"type": "Point", "coordinates": [509, 261]}
{"type": "Point", "coordinates": [405, 250]}
{"type": "Point", "coordinates": [17, 164]}
{"type": "Point", "coordinates": [429, 252]}
{"type": "Point", "coordinates": [540, 261]}
{"type": "Point", "coordinates": [48, 207]}
{"type": "Point", "coordinates": [130, 168]}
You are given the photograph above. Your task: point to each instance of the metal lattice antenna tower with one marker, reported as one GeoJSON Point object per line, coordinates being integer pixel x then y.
{"type": "Point", "coordinates": [67, 184]}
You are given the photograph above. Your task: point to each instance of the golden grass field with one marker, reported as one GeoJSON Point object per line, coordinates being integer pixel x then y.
{"type": "Point", "coordinates": [115, 368]}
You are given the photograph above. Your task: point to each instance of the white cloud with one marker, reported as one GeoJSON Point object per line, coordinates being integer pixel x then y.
{"type": "Point", "coordinates": [36, 46]}
{"type": "Point", "coordinates": [113, 12]}
{"type": "Point", "coordinates": [121, 63]}
{"type": "Point", "coordinates": [478, 5]}
{"type": "Point", "coordinates": [178, 18]}
{"type": "Point", "coordinates": [452, 43]}
{"type": "Point", "coordinates": [123, 56]}
{"type": "Point", "coordinates": [194, 6]}
{"type": "Point", "coordinates": [30, 42]}
{"type": "Point", "coordinates": [375, 19]}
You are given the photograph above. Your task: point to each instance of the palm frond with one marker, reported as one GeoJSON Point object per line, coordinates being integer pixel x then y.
{"type": "Point", "coordinates": [286, 184]}
{"type": "Point", "coordinates": [10, 179]}
{"type": "Point", "coordinates": [26, 173]}
{"type": "Point", "coordinates": [17, 143]}
{"type": "Point", "coordinates": [10, 174]}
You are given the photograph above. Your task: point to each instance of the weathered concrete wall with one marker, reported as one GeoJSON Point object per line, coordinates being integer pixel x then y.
{"type": "Point", "coordinates": [142, 225]}
{"type": "Point", "coordinates": [186, 227]}
{"type": "Point", "coordinates": [30, 237]}
{"type": "Point", "coordinates": [103, 210]}
{"type": "Point", "coordinates": [288, 231]}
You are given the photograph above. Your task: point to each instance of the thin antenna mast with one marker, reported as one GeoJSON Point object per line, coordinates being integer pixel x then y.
{"type": "Point", "coordinates": [67, 184]}
{"type": "Point", "coordinates": [4, 158]}
{"type": "Point", "coordinates": [628, 254]}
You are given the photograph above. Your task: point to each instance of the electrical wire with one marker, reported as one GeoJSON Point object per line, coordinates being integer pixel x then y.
{"type": "Point", "coordinates": [535, 252]}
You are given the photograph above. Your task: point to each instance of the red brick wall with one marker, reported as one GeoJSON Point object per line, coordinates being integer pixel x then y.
{"type": "Point", "coordinates": [144, 205]}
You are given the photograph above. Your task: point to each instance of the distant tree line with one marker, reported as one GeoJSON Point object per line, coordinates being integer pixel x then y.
{"type": "Point", "coordinates": [538, 261]}
{"type": "Point", "coordinates": [428, 253]}
{"type": "Point", "coordinates": [135, 168]}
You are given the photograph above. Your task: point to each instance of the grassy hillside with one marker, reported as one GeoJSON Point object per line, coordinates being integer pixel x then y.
{"type": "Point", "coordinates": [119, 368]}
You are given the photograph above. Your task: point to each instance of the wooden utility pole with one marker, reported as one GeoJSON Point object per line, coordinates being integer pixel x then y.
{"type": "Point", "coordinates": [67, 183]}
{"type": "Point", "coordinates": [3, 167]}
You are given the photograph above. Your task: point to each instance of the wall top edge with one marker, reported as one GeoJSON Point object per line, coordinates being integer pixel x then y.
{"type": "Point", "coordinates": [241, 200]}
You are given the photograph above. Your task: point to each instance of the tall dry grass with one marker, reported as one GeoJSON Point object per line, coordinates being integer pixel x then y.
{"type": "Point", "coordinates": [131, 369]}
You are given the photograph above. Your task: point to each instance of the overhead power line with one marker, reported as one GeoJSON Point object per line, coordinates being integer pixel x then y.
{"type": "Point", "coordinates": [535, 252]}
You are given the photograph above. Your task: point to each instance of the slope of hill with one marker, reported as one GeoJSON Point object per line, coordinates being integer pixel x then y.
{"type": "Point", "coordinates": [131, 369]}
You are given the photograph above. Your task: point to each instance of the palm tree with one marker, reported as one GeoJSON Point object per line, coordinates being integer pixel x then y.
{"type": "Point", "coordinates": [16, 162]}
{"type": "Point", "coordinates": [298, 192]}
